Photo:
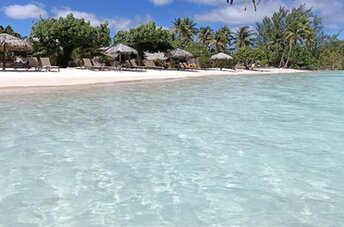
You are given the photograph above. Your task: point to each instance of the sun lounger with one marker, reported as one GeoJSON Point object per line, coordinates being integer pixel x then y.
{"type": "Point", "coordinates": [151, 65]}
{"type": "Point", "coordinates": [88, 65]}
{"type": "Point", "coordinates": [32, 62]}
{"type": "Point", "coordinates": [127, 65]}
{"type": "Point", "coordinates": [184, 66]}
{"type": "Point", "coordinates": [46, 64]}
{"type": "Point", "coordinates": [17, 65]}
{"type": "Point", "coordinates": [134, 64]}
{"type": "Point", "coordinates": [116, 66]}
{"type": "Point", "coordinates": [97, 64]}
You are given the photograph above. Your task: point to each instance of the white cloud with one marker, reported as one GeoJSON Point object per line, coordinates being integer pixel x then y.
{"type": "Point", "coordinates": [161, 2]}
{"type": "Point", "coordinates": [199, 2]}
{"type": "Point", "coordinates": [331, 11]}
{"type": "Point", "coordinates": [122, 24]}
{"type": "Point", "coordinates": [235, 14]}
{"type": "Point", "coordinates": [116, 23]}
{"type": "Point", "coordinates": [208, 2]}
{"type": "Point", "coordinates": [63, 12]}
{"type": "Point", "coordinates": [28, 11]}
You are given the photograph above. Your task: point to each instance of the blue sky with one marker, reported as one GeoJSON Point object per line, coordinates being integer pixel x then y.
{"type": "Point", "coordinates": [124, 14]}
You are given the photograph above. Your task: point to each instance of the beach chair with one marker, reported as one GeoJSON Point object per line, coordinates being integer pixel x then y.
{"type": "Point", "coordinates": [127, 65]}
{"type": "Point", "coordinates": [185, 66]}
{"type": "Point", "coordinates": [46, 64]}
{"type": "Point", "coordinates": [32, 62]}
{"type": "Point", "coordinates": [102, 67]}
{"type": "Point", "coordinates": [134, 65]}
{"type": "Point", "coordinates": [151, 65]}
{"type": "Point", "coordinates": [116, 66]}
{"type": "Point", "coordinates": [88, 64]}
{"type": "Point", "coordinates": [18, 64]}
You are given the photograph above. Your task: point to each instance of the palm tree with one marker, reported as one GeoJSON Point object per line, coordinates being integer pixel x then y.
{"type": "Point", "coordinates": [307, 33]}
{"type": "Point", "coordinates": [204, 35]}
{"type": "Point", "coordinates": [219, 40]}
{"type": "Point", "coordinates": [189, 28]}
{"type": "Point", "coordinates": [177, 27]}
{"type": "Point", "coordinates": [298, 31]}
{"type": "Point", "coordinates": [9, 30]}
{"type": "Point", "coordinates": [184, 28]}
{"type": "Point", "coordinates": [244, 36]}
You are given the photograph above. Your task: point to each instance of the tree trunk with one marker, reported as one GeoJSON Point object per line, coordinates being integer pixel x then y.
{"type": "Point", "coordinates": [247, 65]}
{"type": "Point", "coordinates": [287, 62]}
{"type": "Point", "coordinates": [281, 61]}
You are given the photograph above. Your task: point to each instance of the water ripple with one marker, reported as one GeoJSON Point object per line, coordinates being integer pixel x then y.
{"type": "Point", "coordinates": [222, 151]}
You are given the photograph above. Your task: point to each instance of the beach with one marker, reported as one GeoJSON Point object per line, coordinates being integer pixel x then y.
{"type": "Point", "coordinates": [70, 76]}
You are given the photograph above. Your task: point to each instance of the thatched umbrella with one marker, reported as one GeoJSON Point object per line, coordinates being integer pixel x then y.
{"type": "Point", "coordinates": [180, 54]}
{"type": "Point", "coordinates": [154, 56]}
{"type": "Point", "coordinates": [221, 57]}
{"type": "Point", "coordinates": [10, 43]}
{"type": "Point", "coordinates": [120, 49]}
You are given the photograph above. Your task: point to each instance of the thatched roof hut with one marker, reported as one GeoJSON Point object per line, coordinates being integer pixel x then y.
{"type": "Point", "coordinates": [120, 49]}
{"type": "Point", "coordinates": [221, 56]}
{"type": "Point", "coordinates": [180, 54]}
{"type": "Point", "coordinates": [10, 43]}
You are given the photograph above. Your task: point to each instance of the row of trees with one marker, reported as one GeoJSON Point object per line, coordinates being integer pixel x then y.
{"type": "Point", "coordinates": [289, 38]}
{"type": "Point", "coordinates": [219, 41]}
{"type": "Point", "coordinates": [9, 30]}
{"type": "Point", "coordinates": [67, 39]}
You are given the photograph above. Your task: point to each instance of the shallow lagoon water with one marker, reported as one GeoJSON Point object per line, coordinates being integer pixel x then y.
{"type": "Point", "coordinates": [217, 151]}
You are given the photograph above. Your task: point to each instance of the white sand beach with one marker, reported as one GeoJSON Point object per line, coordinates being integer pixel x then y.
{"type": "Point", "coordinates": [69, 76]}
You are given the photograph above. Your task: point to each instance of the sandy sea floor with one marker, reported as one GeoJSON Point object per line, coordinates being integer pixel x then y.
{"type": "Point", "coordinates": [236, 150]}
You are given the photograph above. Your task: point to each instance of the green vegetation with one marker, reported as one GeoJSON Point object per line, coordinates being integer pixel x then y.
{"type": "Point", "coordinates": [249, 56]}
{"type": "Point", "coordinates": [147, 37]}
{"type": "Point", "coordinates": [184, 29]}
{"type": "Point", "coordinates": [219, 41]}
{"type": "Point", "coordinates": [9, 30]}
{"type": "Point", "coordinates": [293, 38]}
{"type": "Point", "coordinates": [64, 39]}
{"type": "Point", "coordinates": [289, 38]}
{"type": "Point", "coordinates": [331, 55]}
{"type": "Point", "coordinates": [244, 37]}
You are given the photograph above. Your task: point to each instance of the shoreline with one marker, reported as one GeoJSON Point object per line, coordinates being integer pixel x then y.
{"type": "Point", "coordinates": [72, 77]}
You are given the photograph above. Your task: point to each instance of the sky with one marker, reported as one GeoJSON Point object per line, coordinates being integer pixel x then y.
{"type": "Point", "coordinates": [125, 14]}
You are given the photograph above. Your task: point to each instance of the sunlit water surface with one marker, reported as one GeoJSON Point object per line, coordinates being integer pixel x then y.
{"type": "Point", "coordinates": [217, 151]}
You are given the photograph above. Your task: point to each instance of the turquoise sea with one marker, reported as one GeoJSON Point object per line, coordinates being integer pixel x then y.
{"type": "Point", "coordinates": [263, 150]}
